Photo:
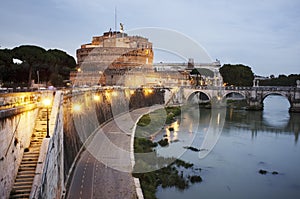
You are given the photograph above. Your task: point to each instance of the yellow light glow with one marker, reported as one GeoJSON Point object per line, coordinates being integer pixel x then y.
{"type": "Point", "coordinates": [107, 93]}
{"type": "Point", "coordinates": [114, 93]}
{"type": "Point", "coordinates": [127, 93]}
{"type": "Point", "coordinates": [76, 108]}
{"type": "Point", "coordinates": [79, 70]}
{"type": "Point", "coordinates": [47, 102]}
{"type": "Point", "coordinates": [132, 92]}
{"type": "Point", "coordinates": [148, 91]}
{"type": "Point", "coordinates": [96, 97]}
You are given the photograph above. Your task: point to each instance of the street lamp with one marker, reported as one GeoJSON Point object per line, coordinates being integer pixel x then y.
{"type": "Point", "coordinates": [97, 97]}
{"type": "Point", "coordinates": [76, 108]}
{"type": "Point", "coordinates": [47, 103]}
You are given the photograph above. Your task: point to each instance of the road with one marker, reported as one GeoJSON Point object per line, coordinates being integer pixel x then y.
{"type": "Point", "coordinates": [104, 168]}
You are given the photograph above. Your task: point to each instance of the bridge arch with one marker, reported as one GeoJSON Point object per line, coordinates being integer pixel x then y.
{"type": "Point", "coordinates": [198, 97]}
{"type": "Point", "coordinates": [265, 95]}
{"type": "Point", "coordinates": [234, 95]}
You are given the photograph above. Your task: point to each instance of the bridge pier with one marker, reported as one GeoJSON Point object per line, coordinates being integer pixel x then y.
{"type": "Point", "coordinates": [255, 105]}
{"type": "Point", "coordinates": [295, 106]}
{"type": "Point", "coordinates": [294, 99]}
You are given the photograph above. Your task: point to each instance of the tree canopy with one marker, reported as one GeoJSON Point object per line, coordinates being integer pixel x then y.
{"type": "Point", "coordinates": [50, 66]}
{"type": "Point", "coordinates": [281, 80]}
{"type": "Point", "coordinates": [237, 75]}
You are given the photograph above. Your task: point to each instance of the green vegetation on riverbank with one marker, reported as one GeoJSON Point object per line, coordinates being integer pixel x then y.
{"type": "Point", "coordinates": [153, 122]}
{"type": "Point", "coordinates": [168, 176]}
{"type": "Point", "coordinates": [154, 171]}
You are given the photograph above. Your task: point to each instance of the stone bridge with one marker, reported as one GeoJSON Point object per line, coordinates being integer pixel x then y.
{"type": "Point", "coordinates": [254, 96]}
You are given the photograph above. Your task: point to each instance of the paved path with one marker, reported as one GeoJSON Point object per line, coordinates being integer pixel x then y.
{"type": "Point", "coordinates": [104, 169]}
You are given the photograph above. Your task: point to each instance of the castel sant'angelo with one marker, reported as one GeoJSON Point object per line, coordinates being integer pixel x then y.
{"type": "Point", "coordinates": [107, 58]}
{"type": "Point", "coordinates": [115, 58]}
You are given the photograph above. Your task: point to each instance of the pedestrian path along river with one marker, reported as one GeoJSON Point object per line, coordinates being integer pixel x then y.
{"type": "Point", "coordinates": [105, 166]}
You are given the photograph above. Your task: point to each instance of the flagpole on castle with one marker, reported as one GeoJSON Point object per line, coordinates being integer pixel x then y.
{"type": "Point", "coordinates": [116, 18]}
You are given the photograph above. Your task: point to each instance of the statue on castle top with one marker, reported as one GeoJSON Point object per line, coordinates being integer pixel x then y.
{"type": "Point", "coordinates": [121, 27]}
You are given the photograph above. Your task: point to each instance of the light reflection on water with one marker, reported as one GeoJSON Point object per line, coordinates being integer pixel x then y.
{"type": "Point", "coordinates": [250, 141]}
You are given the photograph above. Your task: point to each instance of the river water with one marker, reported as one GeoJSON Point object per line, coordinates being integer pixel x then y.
{"type": "Point", "coordinates": [234, 146]}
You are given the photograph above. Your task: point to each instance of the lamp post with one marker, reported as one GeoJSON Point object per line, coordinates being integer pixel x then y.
{"type": "Point", "coordinates": [47, 103]}
{"type": "Point", "coordinates": [76, 108]}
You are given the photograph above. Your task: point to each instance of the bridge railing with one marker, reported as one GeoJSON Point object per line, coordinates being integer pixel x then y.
{"type": "Point", "coordinates": [263, 88]}
{"type": "Point", "coordinates": [245, 88]}
{"type": "Point", "coordinates": [276, 88]}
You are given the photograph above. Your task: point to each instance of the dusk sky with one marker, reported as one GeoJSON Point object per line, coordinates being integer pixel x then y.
{"type": "Point", "coordinates": [263, 34]}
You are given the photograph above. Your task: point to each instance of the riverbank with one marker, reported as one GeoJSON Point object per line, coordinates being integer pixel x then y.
{"type": "Point", "coordinates": [154, 171]}
{"type": "Point", "coordinates": [152, 123]}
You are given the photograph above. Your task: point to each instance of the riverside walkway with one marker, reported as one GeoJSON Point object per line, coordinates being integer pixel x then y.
{"type": "Point", "coordinates": [104, 169]}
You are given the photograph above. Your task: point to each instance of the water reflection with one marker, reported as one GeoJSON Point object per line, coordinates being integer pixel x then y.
{"type": "Point", "coordinates": [172, 131]}
{"type": "Point", "coordinates": [213, 132]}
{"type": "Point", "coordinates": [250, 141]}
{"type": "Point", "coordinates": [256, 121]}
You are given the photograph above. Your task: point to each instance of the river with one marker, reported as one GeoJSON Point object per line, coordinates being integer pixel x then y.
{"type": "Point", "coordinates": [235, 145]}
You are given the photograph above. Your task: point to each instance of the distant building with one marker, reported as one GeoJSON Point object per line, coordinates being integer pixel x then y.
{"type": "Point", "coordinates": [106, 59]}
{"type": "Point", "coordinates": [209, 72]}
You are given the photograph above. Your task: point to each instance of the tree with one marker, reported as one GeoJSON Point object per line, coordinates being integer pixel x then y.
{"type": "Point", "coordinates": [33, 56]}
{"type": "Point", "coordinates": [61, 62]}
{"type": "Point", "coordinates": [281, 80]}
{"type": "Point", "coordinates": [52, 65]}
{"type": "Point", "coordinates": [6, 60]}
{"type": "Point", "coordinates": [237, 75]}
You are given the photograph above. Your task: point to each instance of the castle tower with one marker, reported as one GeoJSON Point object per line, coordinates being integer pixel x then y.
{"type": "Point", "coordinates": [106, 59]}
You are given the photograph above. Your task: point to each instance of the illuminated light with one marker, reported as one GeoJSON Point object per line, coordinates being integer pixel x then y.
{"type": "Point", "coordinates": [115, 93]}
{"type": "Point", "coordinates": [132, 92]}
{"type": "Point", "coordinates": [176, 126]}
{"type": "Point", "coordinates": [47, 102]}
{"type": "Point", "coordinates": [148, 91]}
{"type": "Point", "coordinates": [127, 93]}
{"type": "Point", "coordinates": [96, 97]}
{"type": "Point", "coordinates": [79, 70]}
{"type": "Point", "coordinates": [76, 108]}
{"type": "Point", "coordinates": [107, 93]}
{"type": "Point", "coordinates": [219, 98]}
